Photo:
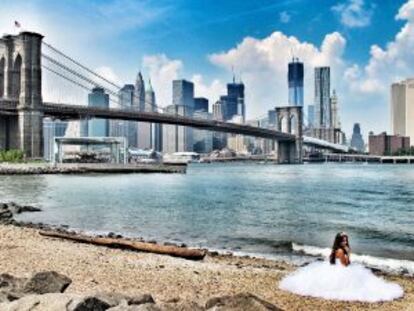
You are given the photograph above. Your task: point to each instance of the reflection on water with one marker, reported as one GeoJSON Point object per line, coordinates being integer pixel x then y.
{"type": "Point", "coordinates": [248, 207]}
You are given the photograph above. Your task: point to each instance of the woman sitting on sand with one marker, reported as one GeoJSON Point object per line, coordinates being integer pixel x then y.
{"type": "Point", "coordinates": [340, 250]}
{"type": "Point", "coordinates": [338, 279]}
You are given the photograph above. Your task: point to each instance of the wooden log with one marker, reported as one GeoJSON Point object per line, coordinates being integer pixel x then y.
{"type": "Point", "coordinates": [183, 252]}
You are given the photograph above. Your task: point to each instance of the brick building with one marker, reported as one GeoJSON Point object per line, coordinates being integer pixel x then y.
{"type": "Point", "coordinates": [383, 144]}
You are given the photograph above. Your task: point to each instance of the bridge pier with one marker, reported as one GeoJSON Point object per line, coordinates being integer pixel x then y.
{"type": "Point", "coordinates": [290, 120]}
{"type": "Point", "coordinates": [21, 86]}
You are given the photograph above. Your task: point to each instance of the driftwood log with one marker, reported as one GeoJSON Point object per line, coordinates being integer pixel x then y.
{"type": "Point", "coordinates": [183, 252]}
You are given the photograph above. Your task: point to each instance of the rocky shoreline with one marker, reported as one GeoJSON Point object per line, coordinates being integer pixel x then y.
{"type": "Point", "coordinates": [47, 169]}
{"type": "Point", "coordinates": [143, 281]}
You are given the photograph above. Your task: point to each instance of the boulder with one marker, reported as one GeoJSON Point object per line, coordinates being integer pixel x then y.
{"type": "Point", "coordinates": [11, 287]}
{"type": "Point", "coordinates": [181, 306]}
{"type": "Point", "coordinates": [46, 302]}
{"type": "Point", "coordinates": [88, 303]}
{"type": "Point", "coordinates": [244, 301]}
{"type": "Point", "coordinates": [47, 282]}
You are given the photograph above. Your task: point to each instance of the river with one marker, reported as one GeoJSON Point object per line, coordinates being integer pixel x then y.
{"type": "Point", "coordinates": [289, 212]}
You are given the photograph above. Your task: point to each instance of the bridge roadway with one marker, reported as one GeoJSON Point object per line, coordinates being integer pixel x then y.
{"type": "Point", "coordinates": [67, 112]}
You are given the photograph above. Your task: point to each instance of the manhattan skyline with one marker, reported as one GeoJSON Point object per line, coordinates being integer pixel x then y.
{"type": "Point", "coordinates": [173, 40]}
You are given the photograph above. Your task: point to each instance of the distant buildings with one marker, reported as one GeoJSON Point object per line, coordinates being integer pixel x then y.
{"type": "Point", "coordinates": [121, 128]}
{"type": "Point", "coordinates": [142, 102]}
{"type": "Point", "coordinates": [178, 138]}
{"type": "Point", "coordinates": [323, 116]}
{"type": "Point", "coordinates": [402, 108]}
{"type": "Point", "coordinates": [384, 144]}
{"type": "Point", "coordinates": [233, 103]}
{"type": "Point", "coordinates": [295, 82]}
{"type": "Point", "coordinates": [202, 139]}
{"type": "Point", "coordinates": [357, 141]}
{"type": "Point", "coordinates": [98, 127]}
{"type": "Point", "coordinates": [311, 115]}
{"type": "Point", "coordinates": [322, 97]}
{"type": "Point", "coordinates": [335, 122]}
{"type": "Point", "coordinates": [201, 104]}
{"type": "Point", "coordinates": [52, 129]}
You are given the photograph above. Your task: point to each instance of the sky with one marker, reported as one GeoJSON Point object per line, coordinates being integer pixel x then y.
{"type": "Point", "coordinates": [367, 44]}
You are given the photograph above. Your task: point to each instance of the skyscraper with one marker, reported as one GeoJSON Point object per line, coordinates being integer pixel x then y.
{"type": "Point", "coordinates": [295, 82]}
{"type": "Point", "coordinates": [178, 138]}
{"type": "Point", "coordinates": [201, 104]}
{"type": "Point", "coordinates": [155, 128]}
{"type": "Point", "coordinates": [357, 141]}
{"type": "Point", "coordinates": [98, 127]}
{"type": "Point", "coordinates": [322, 97]}
{"type": "Point", "coordinates": [402, 108]}
{"type": "Point", "coordinates": [139, 96]}
{"type": "Point", "coordinates": [122, 128]}
{"type": "Point", "coordinates": [233, 103]}
{"type": "Point", "coordinates": [140, 102]}
{"type": "Point", "coordinates": [335, 122]}
{"type": "Point", "coordinates": [311, 115]}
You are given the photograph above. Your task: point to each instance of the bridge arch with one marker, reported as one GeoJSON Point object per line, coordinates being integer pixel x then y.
{"type": "Point", "coordinates": [16, 77]}
{"type": "Point", "coordinates": [293, 126]}
{"type": "Point", "coordinates": [2, 82]}
{"type": "Point", "coordinates": [284, 124]}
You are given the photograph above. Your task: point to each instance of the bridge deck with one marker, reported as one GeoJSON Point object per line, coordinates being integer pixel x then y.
{"type": "Point", "coordinates": [76, 112]}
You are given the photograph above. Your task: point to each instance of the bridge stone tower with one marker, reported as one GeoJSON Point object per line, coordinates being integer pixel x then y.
{"type": "Point", "coordinates": [290, 120]}
{"type": "Point", "coordinates": [21, 85]}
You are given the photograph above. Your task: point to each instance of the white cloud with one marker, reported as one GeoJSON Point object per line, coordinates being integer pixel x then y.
{"type": "Point", "coordinates": [162, 71]}
{"type": "Point", "coordinates": [263, 63]}
{"type": "Point", "coordinates": [108, 73]}
{"type": "Point", "coordinates": [284, 17]}
{"type": "Point", "coordinates": [389, 64]}
{"type": "Point", "coordinates": [210, 91]}
{"type": "Point", "coordinates": [354, 13]}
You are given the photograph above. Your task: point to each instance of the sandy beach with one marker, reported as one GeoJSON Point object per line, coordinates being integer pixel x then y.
{"type": "Point", "coordinates": [99, 269]}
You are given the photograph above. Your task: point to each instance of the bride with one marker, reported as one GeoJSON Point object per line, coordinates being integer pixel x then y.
{"type": "Point", "coordinates": [341, 281]}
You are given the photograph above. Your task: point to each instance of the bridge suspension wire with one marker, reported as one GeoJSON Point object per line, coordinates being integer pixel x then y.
{"type": "Point", "coordinates": [73, 81]}
{"type": "Point", "coordinates": [80, 65]}
{"type": "Point", "coordinates": [95, 74]}
{"type": "Point", "coordinates": [57, 63]}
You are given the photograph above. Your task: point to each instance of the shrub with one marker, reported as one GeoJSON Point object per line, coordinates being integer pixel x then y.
{"type": "Point", "coordinates": [13, 156]}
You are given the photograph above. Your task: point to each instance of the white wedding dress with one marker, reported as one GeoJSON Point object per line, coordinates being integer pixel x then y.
{"type": "Point", "coordinates": [337, 282]}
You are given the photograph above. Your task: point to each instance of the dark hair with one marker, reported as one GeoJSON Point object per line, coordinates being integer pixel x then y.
{"type": "Point", "coordinates": [337, 245]}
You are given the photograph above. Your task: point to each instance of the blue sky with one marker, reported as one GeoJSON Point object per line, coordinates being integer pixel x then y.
{"type": "Point", "coordinates": [201, 40]}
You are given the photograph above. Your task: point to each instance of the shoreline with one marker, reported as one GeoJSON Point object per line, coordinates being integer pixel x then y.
{"type": "Point", "coordinates": [101, 269]}
{"type": "Point", "coordinates": [91, 168]}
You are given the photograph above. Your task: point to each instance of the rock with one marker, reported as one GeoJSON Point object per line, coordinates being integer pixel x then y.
{"type": "Point", "coordinates": [46, 302]}
{"type": "Point", "coordinates": [75, 302]}
{"type": "Point", "coordinates": [142, 299]}
{"type": "Point", "coordinates": [5, 216]}
{"type": "Point", "coordinates": [111, 235]}
{"type": "Point", "coordinates": [244, 301]}
{"type": "Point", "coordinates": [47, 282]}
{"type": "Point", "coordinates": [114, 299]}
{"type": "Point", "coordinates": [88, 304]}
{"type": "Point", "coordinates": [142, 307]}
{"type": "Point", "coordinates": [181, 306]}
{"type": "Point", "coordinates": [11, 287]}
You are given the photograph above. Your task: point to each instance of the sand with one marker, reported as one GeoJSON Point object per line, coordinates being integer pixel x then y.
{"type": "Point", "coordinates": [99, 269]}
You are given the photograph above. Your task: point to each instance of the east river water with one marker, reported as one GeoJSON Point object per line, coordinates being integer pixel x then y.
{"type": "Point", "coordinates": [289, 212]}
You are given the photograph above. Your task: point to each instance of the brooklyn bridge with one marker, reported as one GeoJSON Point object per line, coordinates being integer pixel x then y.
{"type": "Point", "coordinates": [23, 108]}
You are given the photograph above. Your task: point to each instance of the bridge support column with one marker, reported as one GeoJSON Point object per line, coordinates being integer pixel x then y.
{"type": "Point", "coordinates": [30, 133]}
{"type": "Point", "coordinates": [23, 84]}
{"type": "Point", "coordinates": [290, 120]}
{"type": "Point", "coordinates": [290, 152]}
